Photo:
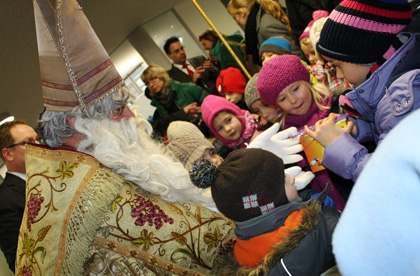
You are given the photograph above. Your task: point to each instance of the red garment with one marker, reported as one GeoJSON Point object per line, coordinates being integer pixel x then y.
{"type": "Point", "coordinates": [250, 252]}
{"type": "Point", "coordinates": [191, 73]}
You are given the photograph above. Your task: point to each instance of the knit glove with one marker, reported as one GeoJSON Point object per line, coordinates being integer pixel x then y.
{"type": "Point", "coordinates": [302, 179]}
{"type": "Point", "coordinates": [279, 143]}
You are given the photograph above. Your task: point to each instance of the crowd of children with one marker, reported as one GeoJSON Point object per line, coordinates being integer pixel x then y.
{"type": "Point", "coordinates": [356, 61]}
{"type": "Point", "coordinates": [309, 163]}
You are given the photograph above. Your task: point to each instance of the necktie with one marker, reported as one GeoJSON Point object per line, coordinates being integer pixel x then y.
{"type": "Point", "coordinates": [191, 73]}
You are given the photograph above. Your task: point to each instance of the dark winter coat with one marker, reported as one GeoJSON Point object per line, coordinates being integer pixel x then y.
{"type": "Point", "coordinates": [307, 251]}
{"type": "Point", "coordinates": [268, 26]}
{"type": "Point", "coordinates": [300, 12]}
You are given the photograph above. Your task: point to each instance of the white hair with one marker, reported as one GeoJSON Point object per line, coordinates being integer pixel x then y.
{"type": "Point", "coordinates": [54, 125]}
{"type": "Point", "coordinates": [127, 148]}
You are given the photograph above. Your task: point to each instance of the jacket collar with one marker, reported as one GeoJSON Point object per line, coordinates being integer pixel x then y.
{"type": "Point", "coordinates": [366, 97]}
{"type": "Point", "coordinates": [310, 219]}
{"type": "Point", "coordinates": [267, 222]}
{"type": "Point", "coordinates": [274, 219]}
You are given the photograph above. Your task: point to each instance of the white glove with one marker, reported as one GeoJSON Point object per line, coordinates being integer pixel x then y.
{"type": "Point", "coordinates": [302, 179]}
{"type": "Point", "coordinates": [279, 143]}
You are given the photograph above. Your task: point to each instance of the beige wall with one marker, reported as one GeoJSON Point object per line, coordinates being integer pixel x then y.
{"type": "Point", "coordinates": [194, 23]}
{"type": "Point", "coordinates": [214, 10]}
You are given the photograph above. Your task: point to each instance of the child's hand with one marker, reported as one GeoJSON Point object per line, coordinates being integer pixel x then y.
{"type": "Point", "coordinates": [326, 131]}
{"type": "Point", "coordinates": [302, 179]}
{"type": "Point", "coordinates": [279, 143]}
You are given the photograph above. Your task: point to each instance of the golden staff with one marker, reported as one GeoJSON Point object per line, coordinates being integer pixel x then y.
{"type": "Point", "coordinates": [222, 39]}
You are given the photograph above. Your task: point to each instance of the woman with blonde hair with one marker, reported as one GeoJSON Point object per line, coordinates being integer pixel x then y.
{"type": "Point", "coordinates": [262, 19]}
{"type": "Point", "coordinates": [173, 100]}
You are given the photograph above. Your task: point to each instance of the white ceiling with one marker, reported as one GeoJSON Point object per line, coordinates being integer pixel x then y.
{"type": "Point", "coordinates": [20, 86]}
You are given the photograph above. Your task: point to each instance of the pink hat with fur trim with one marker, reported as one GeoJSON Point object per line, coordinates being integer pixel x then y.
{"type": "Point", "coordinates": [212, 105]}
{"type": "Point", "coordinates": [315, 15]}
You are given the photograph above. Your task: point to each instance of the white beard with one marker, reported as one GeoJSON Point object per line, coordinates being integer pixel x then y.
{"type": "Point", "coordinates": [127, 148]}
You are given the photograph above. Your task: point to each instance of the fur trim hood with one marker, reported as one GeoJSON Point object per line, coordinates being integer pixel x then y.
{"type": "Point", "coordinates": [228, 265]}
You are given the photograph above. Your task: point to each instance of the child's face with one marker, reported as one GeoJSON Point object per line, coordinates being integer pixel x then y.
{"type": "Point", "coordinates": [266, 56]}
{"type": "Point", "coordinates": [266, 111]}
{"type": "Point", "coordinates": [233, 97]}
{"type": "Point", "coordinates": [227, 126]}
{"type": "Point", "coordinates": [309, 52]}
{"type": "Point", "coordinates": [354, 73]}
{"type": "Point", "coordinates": [289, 186]}
{"type": "Point", "coordinates": [214, 158]}
{"type": "Point", "coordinates": [295, 99]}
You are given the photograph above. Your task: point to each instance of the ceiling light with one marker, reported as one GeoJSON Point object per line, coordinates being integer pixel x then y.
{"type": "Point", "coordinates": [6, 117]}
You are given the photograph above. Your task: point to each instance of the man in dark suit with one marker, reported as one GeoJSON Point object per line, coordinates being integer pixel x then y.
{"type": "Point", "coordinates": [197, 69]}
{"type": "Point", "coordinates": [13, 138]}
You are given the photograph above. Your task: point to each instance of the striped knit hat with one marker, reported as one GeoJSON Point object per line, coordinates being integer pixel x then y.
{"type": "Point", "coordinates": [361, 31]}
{"type": "Point", "coordinates": [276, 45]}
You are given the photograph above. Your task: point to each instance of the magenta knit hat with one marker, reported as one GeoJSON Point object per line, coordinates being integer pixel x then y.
{"type": "Point", "coordinates": [230, 80]}
{"type": "Point", "coordinates": [277, 74]}
{"type": "Point", "coordinates": [214, 104]}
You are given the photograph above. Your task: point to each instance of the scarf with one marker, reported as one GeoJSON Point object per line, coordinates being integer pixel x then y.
{"type": "Point", "coordinates": [309, 118]}
{"type": "Point", "coordinates": [248, 131]}
{"type": "Point", "coordinates": [166, 98]}
{"type": "Point", "coordinates": [251, 38]}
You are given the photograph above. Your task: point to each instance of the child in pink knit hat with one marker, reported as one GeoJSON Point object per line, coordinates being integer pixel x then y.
{"type": "Point", "coordinates": [305, 41]}
{"type": "Point", "coordinates": [284, 82]}
{"type": "Point", "coordinates": [324, 70]}
{"type": "Point", "coordinates": [233, 126]}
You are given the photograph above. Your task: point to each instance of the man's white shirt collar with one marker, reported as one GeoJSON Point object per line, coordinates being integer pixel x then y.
{"type": "Point", "coordinates": [20, 175]}
{"type": "Point", "coordinates": [179, 66]}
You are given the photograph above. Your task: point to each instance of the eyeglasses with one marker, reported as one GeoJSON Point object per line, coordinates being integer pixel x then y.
{"type": "Point", "coordinates": [150, 81]}
{"type": "Point", "coordinates": [177, 50]}
{"type": "Point", "coordinates": [29, 141]}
